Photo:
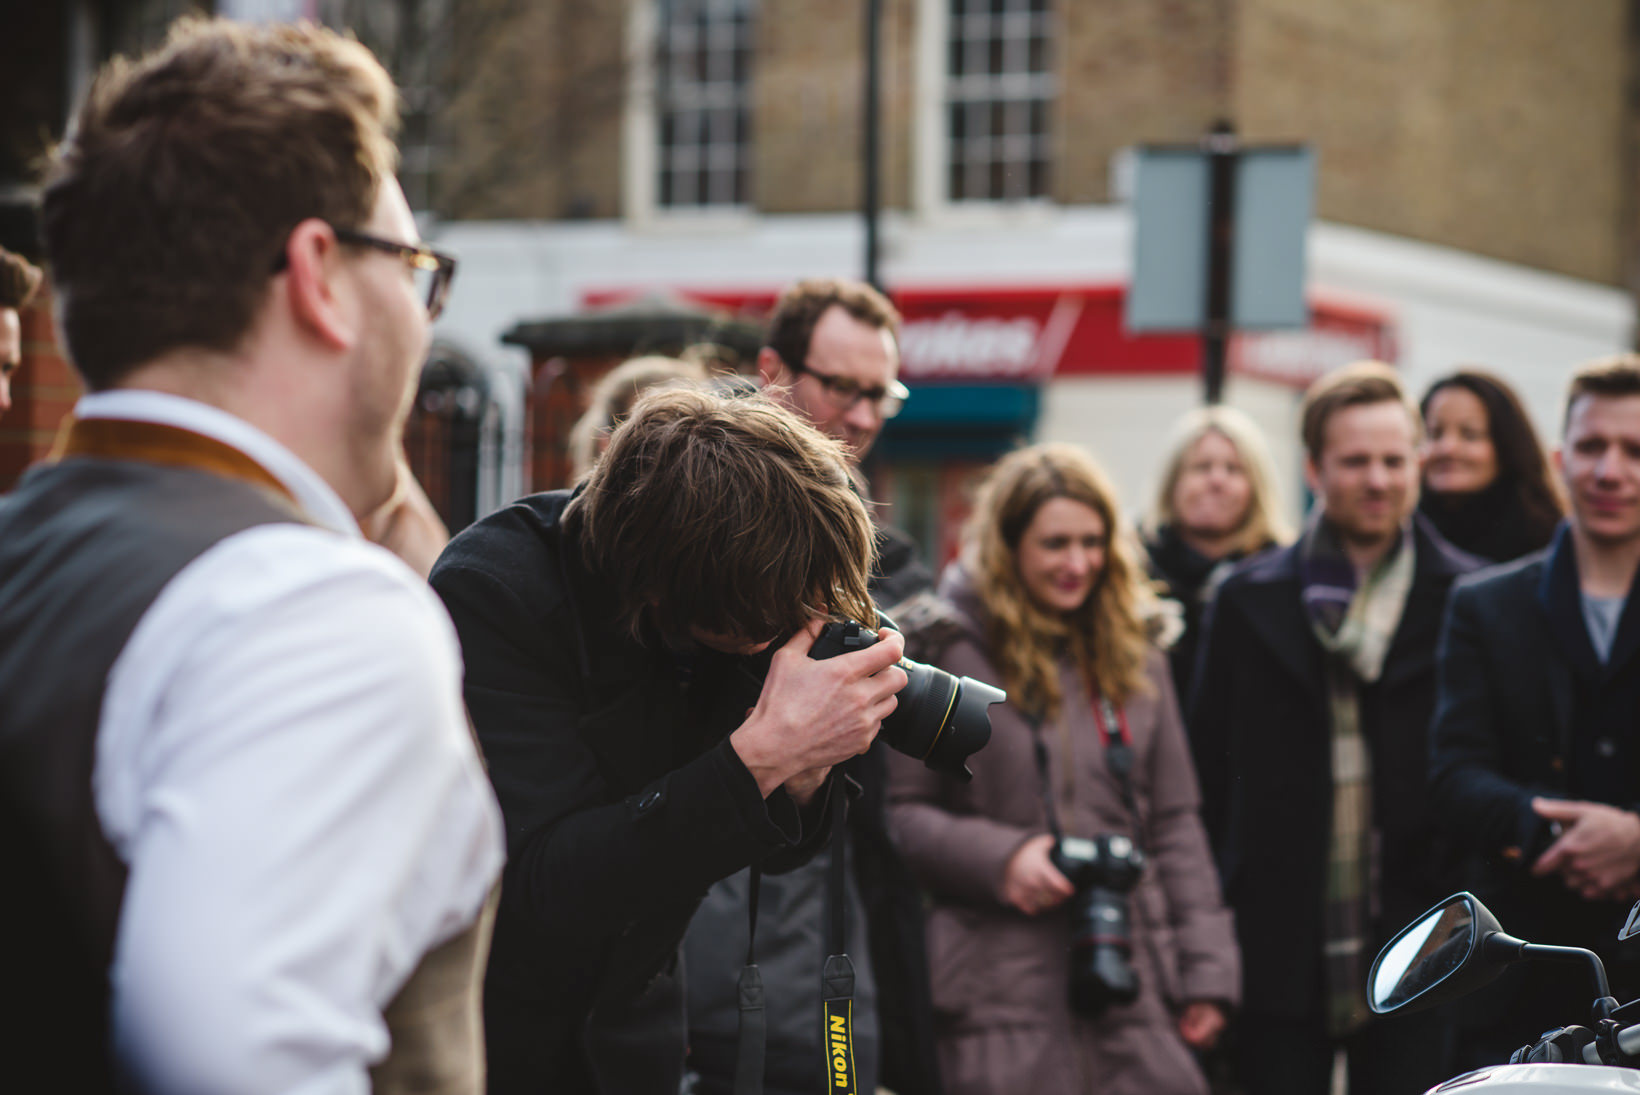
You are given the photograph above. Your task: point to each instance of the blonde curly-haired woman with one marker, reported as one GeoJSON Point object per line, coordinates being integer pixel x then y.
{"type": "Point", "coordinates": [1049, 601]}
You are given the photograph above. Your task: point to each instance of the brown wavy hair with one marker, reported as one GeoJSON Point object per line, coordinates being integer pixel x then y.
{"type": "Point", "coordinates": [1108, 637]}
{"type": "Point", "coordinates": [726, 513]}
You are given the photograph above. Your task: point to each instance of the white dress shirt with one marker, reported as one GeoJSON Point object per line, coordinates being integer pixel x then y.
{"type": "Point", "coordinates": [284, 765]}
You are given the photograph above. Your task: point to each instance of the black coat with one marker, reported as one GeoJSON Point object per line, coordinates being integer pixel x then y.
{"type": "Point", "coordinates": [1524, 707]}
{"type": "Point", "coordinates": [1493, 524]}
{"type": "Point", "coordinates": [1191, 579]}
{"type": "Point", "coordinates": [622, 800]}
{"type": "Point", "coordinates": [892, 954]}
{"type": "Point", "coordinates": [1261, 732]}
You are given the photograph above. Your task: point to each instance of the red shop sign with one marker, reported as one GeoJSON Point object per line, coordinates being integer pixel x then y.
{"type": "Point", "coordinates": [1031, 333]}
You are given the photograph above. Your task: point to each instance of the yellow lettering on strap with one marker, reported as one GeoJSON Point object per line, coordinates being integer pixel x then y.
{"type": "Point", "coordinates": [840, 1047]}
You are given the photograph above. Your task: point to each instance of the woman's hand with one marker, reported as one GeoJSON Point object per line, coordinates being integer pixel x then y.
{"type": "Point", "coordinates": [1031, 882]}
{"type": "Point", "coordinates": [1201, 1024]}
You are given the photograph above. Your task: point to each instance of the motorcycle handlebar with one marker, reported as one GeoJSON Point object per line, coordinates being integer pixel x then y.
{"type": "Point", "coordinates": [1628, 1041]}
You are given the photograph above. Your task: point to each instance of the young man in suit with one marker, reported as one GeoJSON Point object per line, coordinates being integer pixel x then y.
{"type": "Point", "coordinates": [1309, 719]}
{"type": "Point", "coordinates": [1536, 763]}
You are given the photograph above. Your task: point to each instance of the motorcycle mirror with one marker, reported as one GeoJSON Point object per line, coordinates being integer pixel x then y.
{"type": "Point", "coordinates": [1631, 927]}
{"type": "Point", "coordinates": [1438, 957]}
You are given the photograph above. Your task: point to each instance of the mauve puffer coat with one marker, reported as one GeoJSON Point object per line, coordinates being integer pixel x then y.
{"type": "Point", "coordinates": [999, 976]}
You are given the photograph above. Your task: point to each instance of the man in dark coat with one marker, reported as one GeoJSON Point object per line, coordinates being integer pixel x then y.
{"type": "Point", "coordinates": [842, 337]}
{"type": "Point", "coordinates": [1309, 720]}
{"type": "Point", "coordinates": [637, 757]}
{"type": "Point", "coordinates": [1536, 766]}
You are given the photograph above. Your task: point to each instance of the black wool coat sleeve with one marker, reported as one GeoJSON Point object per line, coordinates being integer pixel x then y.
{"type": "Point", "coordinates": [1493, 745]}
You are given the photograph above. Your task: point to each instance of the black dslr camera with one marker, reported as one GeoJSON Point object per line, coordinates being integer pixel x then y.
{"type": "Point", "coordinates": [1104, 871]}
{"type": "Point", "coordinates": [941, 720]}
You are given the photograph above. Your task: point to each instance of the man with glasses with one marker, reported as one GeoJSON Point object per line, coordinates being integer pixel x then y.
{"type": "Point", "coordinates": [232, 725]}
{"type": "Point", "coordinates": [832, 354]}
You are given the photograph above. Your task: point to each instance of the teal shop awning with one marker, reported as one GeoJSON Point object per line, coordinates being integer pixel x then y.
{"type": "Point", "coordinates": [961, 421]}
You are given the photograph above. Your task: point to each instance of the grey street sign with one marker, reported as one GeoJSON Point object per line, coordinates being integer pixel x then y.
{"type": "Point", "coordinates": [1274, 201]}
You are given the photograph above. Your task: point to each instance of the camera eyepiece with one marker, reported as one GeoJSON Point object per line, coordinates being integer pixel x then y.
{"type": "Point", "coordinates": [941, 720]}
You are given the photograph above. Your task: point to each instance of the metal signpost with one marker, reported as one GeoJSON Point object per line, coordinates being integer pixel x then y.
{"type": "Point", "coordinates": [1219, 232]}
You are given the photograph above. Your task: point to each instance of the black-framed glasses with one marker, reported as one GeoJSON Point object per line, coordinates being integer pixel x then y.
{"type": "Point", "coordinates": [432, 270]}
{"type": "Point", "coordinates": [843, 392]}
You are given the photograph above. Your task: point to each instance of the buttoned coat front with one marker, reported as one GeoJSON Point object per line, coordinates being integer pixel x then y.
{"type": "Point", "coordinates": [1261, 730]}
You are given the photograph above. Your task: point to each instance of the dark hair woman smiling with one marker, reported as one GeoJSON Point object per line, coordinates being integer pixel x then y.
{"type": "Point", "coordinates": [1486, 482]}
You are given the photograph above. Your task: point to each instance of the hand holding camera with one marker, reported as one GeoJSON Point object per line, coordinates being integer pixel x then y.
{"type": "Point", "coordinates": [814, 714]}
{"type": "Point", "coordinates": [1031, 883]}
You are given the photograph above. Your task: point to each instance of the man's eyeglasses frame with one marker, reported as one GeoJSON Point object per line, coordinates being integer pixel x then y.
{"type": "Point", "coordinates": [845, 393]}
{"type": "Point", "coordinates": [417, 256]}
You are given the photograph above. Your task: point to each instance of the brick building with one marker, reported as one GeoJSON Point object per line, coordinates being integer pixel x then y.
{"type": "Point", "coordinates": [1473, 201]}
{"type": "Point", "coordinates": [1498, 127]}
{"type": "Point", "coordinates": [1476, 172]}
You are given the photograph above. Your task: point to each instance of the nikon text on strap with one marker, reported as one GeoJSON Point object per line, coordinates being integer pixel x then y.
{"type": "Point", "coordinates": [836, 982]}
{"type": "Point", "coordinates": [837, 976]}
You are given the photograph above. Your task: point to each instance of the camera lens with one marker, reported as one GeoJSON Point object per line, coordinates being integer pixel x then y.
{"type": "Point", "coordinates": [1101, 957]}
{"type": "Point", "coordinates": [941, 720]}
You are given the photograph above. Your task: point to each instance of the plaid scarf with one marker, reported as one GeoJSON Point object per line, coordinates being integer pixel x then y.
{"type": "Point", "coordinates": [1354, 626]}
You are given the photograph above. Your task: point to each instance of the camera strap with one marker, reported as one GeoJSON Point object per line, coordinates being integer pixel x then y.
{"type": "Point", "coordinates": [1047, 782]}
{"type": "Point", "coordinates": [754, 1022]}
{"type": "Point", "coordinates": [836, 982]}
{"type": "Point", "coordinates": [1117, 738]}
{"type": "Point", "coordinates": [837, 976]}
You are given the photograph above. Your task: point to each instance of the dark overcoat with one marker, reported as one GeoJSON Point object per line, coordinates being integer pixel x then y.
{"type": "Point", "coordinates": [1526, 709]}
{"type": "Point", "coordinates": [623, 803]}
{"type": "Point", "coordinates": [1259, 724]}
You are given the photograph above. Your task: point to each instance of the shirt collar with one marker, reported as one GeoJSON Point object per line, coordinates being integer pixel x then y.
{"type": "Point", "coordinates": [316, 497]}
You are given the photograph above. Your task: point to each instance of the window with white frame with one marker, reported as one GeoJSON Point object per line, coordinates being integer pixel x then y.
{"type": "Point", "coordinates": [703, 102]}
{"type": "Point", "coordinates": [999, 91]}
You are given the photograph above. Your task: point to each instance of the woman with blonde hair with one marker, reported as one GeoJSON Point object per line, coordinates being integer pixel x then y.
{"type": "Point", "coordinates": [613, 398]}
{"type": "Point", "coordinates": [1049, 600]}
{"type": "Point", "coordinates": [1216, 505]}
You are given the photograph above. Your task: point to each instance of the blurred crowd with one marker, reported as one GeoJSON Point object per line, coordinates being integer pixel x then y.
{"type": "Point", "coordinates": [1315, 747]}
{"type": "Point", "coordinates": [308, 796]}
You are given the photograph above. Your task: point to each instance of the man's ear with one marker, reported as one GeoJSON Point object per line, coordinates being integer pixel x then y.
{"type": "Point", "coordinates": [312, 262]}
{"type": "Point", "coordinates": [1312, 478]}
{"type": "Point", "coordinates": [770, 369]}
{"type": "Point", "coordinates": [1557, 460]}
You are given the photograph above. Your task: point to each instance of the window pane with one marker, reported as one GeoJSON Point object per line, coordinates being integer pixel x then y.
{"type": "Point", "coordinates": [1000, 90]}
{"type": "Point", "coordinates": [1038, 59]}
{"type": "Point", "coordinates": [703, 103]}
{"type": "Point", "coordinates": [1039, 178]}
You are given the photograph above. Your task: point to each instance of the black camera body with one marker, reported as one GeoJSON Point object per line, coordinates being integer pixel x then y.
{"type": "Point", "coordinates": [1104, 871]}
{"type": "Point", "coordinates": [941, 720]}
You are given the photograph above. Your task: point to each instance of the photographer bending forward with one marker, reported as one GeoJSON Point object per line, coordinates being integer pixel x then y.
{"type": "Point", "coordinates": [637, 758]}
{"type": "Point", "coordinates": [1048, 601]}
